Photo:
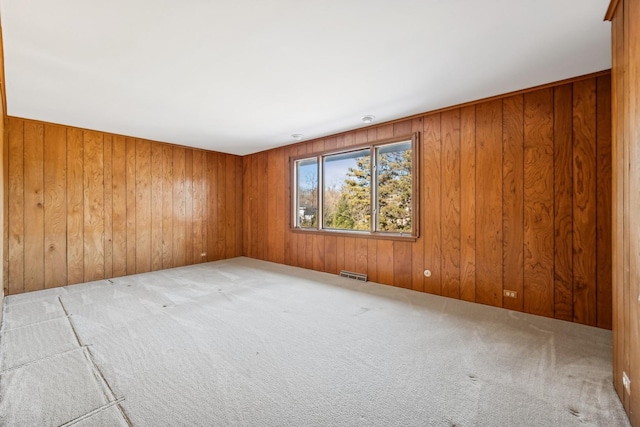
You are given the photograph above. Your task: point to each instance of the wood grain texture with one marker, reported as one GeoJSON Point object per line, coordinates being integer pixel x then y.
{"type": "Point", "coordinates": [603, 203]}
{"type": "Point", "coordinates": [384, 261]}
{"type": "Point", "coordinates": [97, 203]}
{"type": "Point", "coordinates": [75, 206]}
{"type": "Point", "coordinates": [188, 206]}
{"type": "Point", "coordinates": [55, 206]}
{"type": "Point", "coordinates": [16, 207]}
{"type": "Point", "coordinates": [402, 264]}
{"type": "Point", "coordinates": [229, 208]}
{"type": "Point", "coordinates": [130, 173]}
{"type": "Point", "coordinates": [468, 203]}
{"type": "Point", "coordinates": [618, 95]}
{"type": "Point", "coordinates": [167, 206]}
{"type": "Point", "coordinates": [450, 127]}
{"type": "Point", "coordinates": [627, 189]}
{"type": "Point", "coordinates": [143, 206]}
{"type": "Point", "coordinates": [198, 205]}
{"type": "Point", "coordinates": [431, 203]}
{"type": "Point", "coordinates": [119, 207]}
{"type": "Point", "coordinates": [632, 35]}
{"type": "Point", "coordinates": [513, 199]}
{"type": "Point", "coordinates": [107, 144]}
{"type": "Point", "coordinates": [222, 225]}
{"type": "Point", "coordinates": [417, 249]}
{"type": "Point", "coordinates": [481, 166]}
{"type": "Point", "coordinates": [563, 202]}
{"type": "Point", "coordinates": [538, 203]}
{"type": "Point", "coordinates": [156, 206]}
{"type": "Point", "coordinates": [489, 203]}
{"type": "Point", "coordinates": [584, 201]}
{"type": "Point", "coordinates": [213, 208]}
{"type": "Point", "coordinates": [93, 206]}
{"type": "Point", "coordinates": [34, 206]}
{"type": "Point", "coordinates": [179, 208]}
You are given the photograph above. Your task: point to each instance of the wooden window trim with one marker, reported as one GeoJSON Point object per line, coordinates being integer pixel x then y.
{"type": "Point", "coordinates": [415, 190]}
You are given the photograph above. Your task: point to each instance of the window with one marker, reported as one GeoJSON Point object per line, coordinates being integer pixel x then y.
{"type": "Point", "coordinates": [367, 190]}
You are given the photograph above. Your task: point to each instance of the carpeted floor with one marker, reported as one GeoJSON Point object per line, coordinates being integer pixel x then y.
{"type": "Point", "coordinates": [249, 343]}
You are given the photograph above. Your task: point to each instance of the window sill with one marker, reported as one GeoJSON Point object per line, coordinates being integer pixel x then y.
{"type": "Point", "coordinates": [356, 234]}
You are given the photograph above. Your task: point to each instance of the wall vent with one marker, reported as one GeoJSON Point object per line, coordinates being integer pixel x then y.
{"type": "Point", "coordinates": [352, 275]}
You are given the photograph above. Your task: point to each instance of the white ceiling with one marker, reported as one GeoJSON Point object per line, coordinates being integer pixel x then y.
{"type": "Point", "coordinates": [241, 76]}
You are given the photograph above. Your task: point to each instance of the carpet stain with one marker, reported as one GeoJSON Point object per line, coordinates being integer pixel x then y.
{"type": "Point", "coordinates": [574, 412]}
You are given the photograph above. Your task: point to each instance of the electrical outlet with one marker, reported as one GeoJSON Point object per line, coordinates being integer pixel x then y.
{"type": "Point", "coordinates": [510, 294]}
{"type": "Point", "coordinates": [626, 382]}
{"type": "Point", "coordinates": [203, 254]}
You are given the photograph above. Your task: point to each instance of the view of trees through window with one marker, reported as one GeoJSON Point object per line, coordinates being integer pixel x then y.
{"type": "Point", "coordinates": [307, 193]}
{"type": "Point", "coordinates": [347, 188]}
{"type": "Point", "coordinates": [347, 191]}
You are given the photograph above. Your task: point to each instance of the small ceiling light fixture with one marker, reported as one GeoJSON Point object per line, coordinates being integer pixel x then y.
{"type": "Point", "coordinates": [368, 118]}
{"type": "Point", "coordinates": [297, 136]}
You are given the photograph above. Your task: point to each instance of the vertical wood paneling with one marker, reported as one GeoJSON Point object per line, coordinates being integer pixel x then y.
{"type": "Point", "coordinates": [563, 202]}
{"type": "Point", "coordinates": [489, 203]}
{"type": "Point", "coordinates": [584, 201]}
{"type": "Point", "coordinates": [179, 207]}
{"type": "Point", "coordinates": [417, 253]}
{"type": "Point", "coordinates": [93, 206]}
{"type": "Point", "coordinates": [513, 199]}
{"type": "Point", "coordinates": [188, 206]}
{"type": "Point", "coordinates": [384, 260]}
{"type": "Point", "coordinates": [431, 202]}
{"type": "Point", "coordinates": [632, 36]}
{"type": "Point", "coordinates": [167, 206]}
{"type": "Point", "coordinates": [119, 207]}
{"type": "Point", "coordinates": [280, 208]}
{"type": "Point", "coordinates": [247, 201]}
{"type": "Point", "coordinates": [108, 204]}
{"type": "Point", "coordinates": [222, 224]}
{"type": "Point", "coordinates": [130, 159]}
{"type": "Point", "coordinates": [330, 254]}
{"type": "Point", "coordinates": [618, 94]}
{"type": "Point", "coordinates": [603, 203]}
{"type": "Point", "coordinates": [198, 202]}
{"type": "Point", "coordinates": [270, 203]}
{"type": "Point", "coordinates": [402, 264]}
{"type": "Point", "coordinates": [496, 205]}
{"type": "Point", "coordinates": [229, 208]}
{"type": "Point", "coordinates": [350, 254]}
{"type": "Point", "coordinates": [16, 207]}
{"type": "Point", "coordinates": [55, 206]}
{"type": "Point", "coordinates": [361, 256]}
{"type": "Point", "coordinates": [99, 205]}
{"type": "Point", "coordinates": [318, 254]}
{"type": "Point", "coordinates": [237, 190]}
{"type": "Point", "coordinates": [143, 206]}
{"type": "Point", "coordinates": [156, 206]}
{"type": "Point", "coordinates": [468, 203]}
{"type": "Point", "coordinates": [450, 123]}
{"type": "Point", "coordinates": [213, 208]}
{"type": "Point", "coordinates": [538, 203]}
{"type": "Point", "coordinates": [33, 206]}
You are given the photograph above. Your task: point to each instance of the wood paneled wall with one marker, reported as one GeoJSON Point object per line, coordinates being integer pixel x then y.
{"type": "Point", "coordinates": [87, 205]}
{"type": "Point", "coordinates": [625, 16]}
{"type": "Point", "coordinates": [515, 195]}
{"type": "Point", "coordinates": [3, 138]}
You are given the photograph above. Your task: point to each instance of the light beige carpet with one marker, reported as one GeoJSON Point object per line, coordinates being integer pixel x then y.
{"type": "Point", "coordinates": [249, 343]}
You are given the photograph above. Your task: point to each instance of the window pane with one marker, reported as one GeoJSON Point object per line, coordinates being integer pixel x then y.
{"type": "Point", "coordinates": [347, 191]}
{"type": "Point", "coordinates": [394, 187]}
{"type": "Point", "coordinates": [307, 193]}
